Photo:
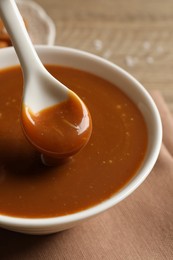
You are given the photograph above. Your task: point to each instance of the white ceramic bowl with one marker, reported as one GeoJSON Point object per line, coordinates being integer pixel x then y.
{"type": "Point", "coordinates": [136, 92]}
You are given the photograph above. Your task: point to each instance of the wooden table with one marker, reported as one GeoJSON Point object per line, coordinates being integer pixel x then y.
{"type": "Point", "coordinates": [135, 34]}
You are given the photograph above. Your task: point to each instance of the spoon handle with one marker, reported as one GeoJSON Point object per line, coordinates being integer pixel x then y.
{"type": "Point", "coordinates": [15, 26]}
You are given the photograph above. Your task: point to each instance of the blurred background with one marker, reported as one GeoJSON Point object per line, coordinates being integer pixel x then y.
{"type": "Point", "coordinates": [135, 34]}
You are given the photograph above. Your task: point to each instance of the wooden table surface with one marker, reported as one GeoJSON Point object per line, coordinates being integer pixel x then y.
{"type": "Point", "coordinates": [135, 34]}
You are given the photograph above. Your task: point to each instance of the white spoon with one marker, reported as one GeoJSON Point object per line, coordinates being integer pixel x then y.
{"type": "Point", "coordinates": [41, 90]}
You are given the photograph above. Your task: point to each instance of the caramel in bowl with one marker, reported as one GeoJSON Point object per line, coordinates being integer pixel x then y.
{"type": "Point", "coordinates": [111, 185]}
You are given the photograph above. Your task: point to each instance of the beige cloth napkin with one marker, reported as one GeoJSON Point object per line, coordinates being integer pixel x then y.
{"type": "Point", "coordinates": [140, 227]}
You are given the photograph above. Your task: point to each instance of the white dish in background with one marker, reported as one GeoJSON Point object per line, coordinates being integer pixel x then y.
{"type": "Point", "coordinates": [39, 25]}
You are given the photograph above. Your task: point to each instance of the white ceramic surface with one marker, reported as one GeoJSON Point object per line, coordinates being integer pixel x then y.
{"type": "Point", "coordinates": [34, 72]}
{"type": "Point", "coordinates": [129, 85]}
{"type": "Point", "coordinates": [40, 26]}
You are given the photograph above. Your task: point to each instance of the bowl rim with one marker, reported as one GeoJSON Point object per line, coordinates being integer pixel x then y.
{"type": "Point", "coordinates": [126, 190]}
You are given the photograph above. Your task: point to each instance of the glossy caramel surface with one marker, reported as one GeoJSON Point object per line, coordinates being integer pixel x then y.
{"type": "Point", "coordinates": [110, 159]}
